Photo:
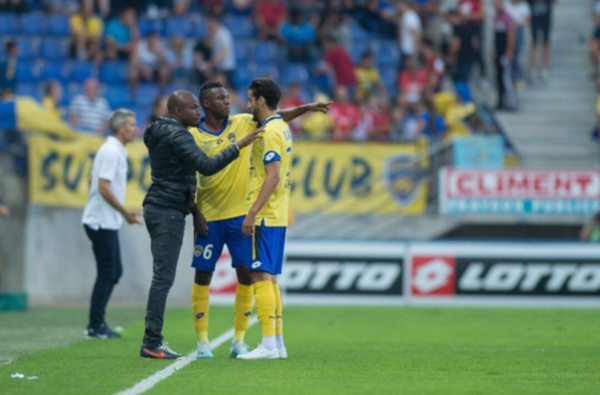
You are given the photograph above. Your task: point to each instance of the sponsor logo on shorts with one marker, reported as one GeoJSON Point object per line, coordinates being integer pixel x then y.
{"type": "Point", "coordinates": [256, 264]}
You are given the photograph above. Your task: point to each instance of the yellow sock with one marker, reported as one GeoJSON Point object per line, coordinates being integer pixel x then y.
{"type": "Point", "coordinates": [243, 310]}
{"type": "Point", "coordinates": [200, 301]}
{"type": "Point", "coordinates": [265, 306]}
{"type": "Point", "coordinates": [278, 311]}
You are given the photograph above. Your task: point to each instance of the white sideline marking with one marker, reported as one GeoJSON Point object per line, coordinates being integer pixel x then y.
{"type": "Point", "coordinates": [157, 377]}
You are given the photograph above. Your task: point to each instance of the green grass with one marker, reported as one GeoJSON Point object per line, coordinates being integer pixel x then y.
{"type": "Point", "coordinates": [333, 350]}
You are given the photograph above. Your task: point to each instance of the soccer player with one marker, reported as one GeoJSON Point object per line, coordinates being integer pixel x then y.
{"type": "Point", "coordinates": [221, 200]}
{"type": "Point", "coordinates": [267, 218]}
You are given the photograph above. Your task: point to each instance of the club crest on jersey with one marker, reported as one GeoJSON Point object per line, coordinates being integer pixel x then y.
{"type": "Point", "coordinates": [197, 251]}
{"type": "Point", "coordinates": [403, 177]}
{"type": "Point", "coordinates": [231, 137]}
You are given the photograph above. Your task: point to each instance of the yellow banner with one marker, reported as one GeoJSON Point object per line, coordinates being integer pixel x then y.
{"type": "Point", "coordinates": [358, 179]}
{"type": "Point", "coordinates": [326, 177]}
{"type": "Point", "coordinates": [59, 171]}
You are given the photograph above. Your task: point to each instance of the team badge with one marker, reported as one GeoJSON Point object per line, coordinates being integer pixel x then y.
{"type": "Point", "coordinates": [197, 251]}
{"type": "Point", "coordinates": [403, 177]}
{"type": "Point", "coordinates": [231, 137]}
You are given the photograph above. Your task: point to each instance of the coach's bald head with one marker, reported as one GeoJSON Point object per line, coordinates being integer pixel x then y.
{"type": "Point", "coordinates": [183, 107]}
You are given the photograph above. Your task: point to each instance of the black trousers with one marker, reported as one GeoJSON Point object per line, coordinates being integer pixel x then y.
{"type": "Point", "coordinates": [166, 227]}
{"type": "Point", "coordinates": [105, 244]}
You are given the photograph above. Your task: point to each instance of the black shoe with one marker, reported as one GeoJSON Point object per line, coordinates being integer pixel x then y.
{"type": "Point", "coordinates": [159, 352]}
{"type": "Point", "coordinates": [102, 332]}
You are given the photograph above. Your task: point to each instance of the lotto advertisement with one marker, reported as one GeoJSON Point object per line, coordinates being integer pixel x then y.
{"type": "Point", "coordinates": [527, 192]}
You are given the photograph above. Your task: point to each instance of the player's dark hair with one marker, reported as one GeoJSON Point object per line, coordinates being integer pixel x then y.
{"type": "Point", "coordinates": [206, 87]}
{"type": "Point", "coordinates": [267, 88]}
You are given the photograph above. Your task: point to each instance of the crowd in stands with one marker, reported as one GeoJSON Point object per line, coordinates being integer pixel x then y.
{"type": "Point", "coordinates": [396, 70]}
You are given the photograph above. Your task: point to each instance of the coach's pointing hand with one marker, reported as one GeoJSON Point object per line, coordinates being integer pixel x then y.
{"type": "Point", "coordinates": [246, 141]}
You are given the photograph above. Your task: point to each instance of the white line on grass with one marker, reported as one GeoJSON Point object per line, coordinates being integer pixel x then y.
{"type": "Point", "coordinates": [157, 377]}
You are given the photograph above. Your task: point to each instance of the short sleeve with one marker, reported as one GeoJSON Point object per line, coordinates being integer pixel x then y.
{"type": "Point", "coordinates": [272, 150]}
{"type": "Point", "coordinates": [108, 163]}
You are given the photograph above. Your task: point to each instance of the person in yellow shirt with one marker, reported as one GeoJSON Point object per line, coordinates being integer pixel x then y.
{"type": "Point", "coordinates": [221, 209]}
{"type": "Point", "coordinates": [267, 219]}
{"type": "Point", "coordinates": [86, 32]}
{"type": "Point", "coordinates": [318, 125]}
{"type": "Point", "coordinates": [52, 96]}
{"type": "Point", "coordinates": [368, 77]}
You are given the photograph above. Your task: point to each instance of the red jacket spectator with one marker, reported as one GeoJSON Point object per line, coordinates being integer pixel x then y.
{"type": "Point", "coordinates": [412, 83]}
{"type": "Point", "coordinates": [345, 114]}
{"type": "Point", "coordinates": [341, 62]}
{"type": "Point", "coordinates": [268, 17]}
{"type": "Point", "coordinates": [290, 100]}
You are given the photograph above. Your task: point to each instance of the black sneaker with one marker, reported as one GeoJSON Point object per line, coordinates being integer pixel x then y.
{"type": "Point", "coordinates": [102, 332]}
{"type": "Point", "coordinates": [159, 352]}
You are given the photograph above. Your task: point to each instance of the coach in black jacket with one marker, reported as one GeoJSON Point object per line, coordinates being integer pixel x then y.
{"type": "Point", "coordinates": [174, 161]}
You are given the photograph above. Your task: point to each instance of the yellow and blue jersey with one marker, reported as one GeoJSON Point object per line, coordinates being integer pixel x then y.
{"type": "Point", "coordinates": [276, 145]}
{"type": "Point", "coordinates": [222, 195]}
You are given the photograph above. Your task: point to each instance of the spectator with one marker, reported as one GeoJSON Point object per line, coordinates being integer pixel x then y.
{"type": "Point", "coordinates": [151, 65]}
{"type": "Point", "coordinates": [541, 24]}
{"type": "Point", "coordinates": [292, 99]}
{"type": "Point", "coordinates": [241, 7]}
{"type": "Point", "coordinates": [88, 111]}
{"type": "Point", "coordinates": [8, 70]}
{"type": "Point", "coordinates": [434, 67]}
{"type": "Point", "coordinates": [340, 61]}
{"type": "Point", "coordinates": [411, 29]}
{"type": "Point", "coordinates": [122, 36]}
{"type": "Point", "coordinates": [318, 125]}
{"type": "Point", "coordinates": [337, 26]}
{"type": "Point", "coordinates": [368, 77]}
{"type": "Point", "coordinates": [86, 33]}
{"type": "Point", "coordinates": [504, 50]}
{"type": "Point", "coordinates": [521, 14]}
{"type": "Point", "coordinates": [53, 93]}
{"type": "Point", "coordinates": [406, 124]}
{"type": "Point", "coordinates": [215, 7]}
{"type": "Point", "coordinates": [14, 6]}
{"type": "Point", "coordinates": [474, 12]}
{"type": "Point", "coordinates": [432, 123]}
{"type": "Point", "coordinates": [380, 119]}
{"type": "Point", "coordinates": [203, 69]}
{"type": "Point", "coordinates": [412, 83]}
{"type": "Point", "coordinates": [156, 9]}
{"type": "Point", "coordinates": [180, 7]}
{"type": "Point", "coordinates": [180, 60]}
{"type": "Point", "coordinates": [345, 114]}
{"type": "Point", "coordinates": [268, 17]}
{"type": "Point", "coordinates": [461, 53]}
{"type": "Point", "coordinates": [221, 48]}
{"type": "Point", "coordinates": [299, 39]}
{"type": "Point", "coordinates": [159, 109]}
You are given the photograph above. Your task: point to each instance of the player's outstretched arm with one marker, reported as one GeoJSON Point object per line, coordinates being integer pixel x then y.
{"type": "Point", "coordinates": [291, 113]}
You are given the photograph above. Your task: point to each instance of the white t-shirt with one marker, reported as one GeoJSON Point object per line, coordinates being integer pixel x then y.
{"type": "Point", "coordinates": [519, 12]}
{"type": "Point", "coordinates": [224, 40]}
{"type": "Point", "coordinates": [110, 164]}
{"type": "Point", "coordinates": [410, 21]}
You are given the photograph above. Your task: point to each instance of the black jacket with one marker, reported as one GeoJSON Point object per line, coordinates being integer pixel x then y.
{"type": "Point", "coordinates": [174, 160]}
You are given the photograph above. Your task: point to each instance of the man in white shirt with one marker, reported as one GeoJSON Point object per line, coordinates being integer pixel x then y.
{"type": "Point", "coordinates": [410, 29]}
{"type": "Point", "coordinates": [104, 213]}
{"type": "Point", "coordinates": [221, 45]}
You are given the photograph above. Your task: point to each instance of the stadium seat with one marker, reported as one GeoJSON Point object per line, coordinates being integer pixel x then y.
{"type": "Point", "coordinates": [243, 51]}
{"type": "Point", "coordinates": [28, 48]}
{"type": "Point", "coordinates": [244, 75]}
{"type": "Point", "coordinates": [114, 72]}
{"type": "Point", "coordinates": [34, 24]}
{"type": "Point", "coordinates": [358, 32]}
{"type": "Point", "coordinates": [146, 94]}
{"type": "Point", "coordinates": [240, 27]}
{"type": "Point", "coordinates": [267, 70]}
{"type": "Point", "coordinates": [118, 96]}
{"type": "Point", "coordinates": [9, 24]}
{"type": "Point", "coordinates": [29, 89]}
{"type": "Point", "coordinates": [55, 70]}
{"type": "Point", "coordinates": [54, 48]}
{"type": "Point", "coordinates": [58, 25]}
{"type": "Point", "coordinates": [81, 71]}
{"type": "Point", "coordinates": [388, 54]}
{"type": "Point", "coordinates": [200, 29]}
{"type": "Point", "coordinates": [28, 71]}
{"type": "Point", "coordinates": [265, 52]}
{"type": "Point", "coordinates": [295, 72]}
{"type": "Point", "coordinates": [359, 48]}
{"type": "Point", "coordinates": [179, 26]}
{"type": "Point", "coordinates": [147, 25]}
{"type": "Point", "coordinates": [389, 77]}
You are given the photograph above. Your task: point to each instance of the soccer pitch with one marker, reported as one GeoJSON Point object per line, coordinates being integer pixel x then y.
{"type": "Point", "coordinates": [332, 350]}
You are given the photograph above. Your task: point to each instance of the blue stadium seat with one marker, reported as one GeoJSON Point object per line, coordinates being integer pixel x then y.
{"type": "Point", "coordinates": [29, 89]}
{"type": "Point", "coordinates": [148, 25]}
{"type": "Point", "coordinates": [179, 26]}
{"type": "Point", "coordinates": [9, 24]}
{"type": "Point", "coordinates": [54, 48]}
{"type": "Point", "coordinates": [389, 77]}
{"type": "Point", "coordinates": [114, 72]}
{"type": "Point", "coordinates": [27, 71]}
{"type": "Point", "coordinates": [239, 26]}
{"type": "Point", "coordinates": [295, 72]}
{"type": "Point", "coordinates": [28, 47]}
{"type": "Point", "coordinates": [243, 51]}
{"type": "Point", "coordinates": [245, 75]}
{"type": "Point", "coordinates": [55, 70]}
{"type": "Point", "coordinates": [265, 52]}
{"type": "Point", "coordinates": [146, 94]}
{"type": "Point", "coordinates": [388, 54]}
{"type": "Point", "coordinates": [358, 33]}
{"type": "Point", "coordinates": [118, 96]}
{"type": "Point", "coordinates": [81, 71]}
{"type": "Point", "coordinates": [267, 70]}
{"type": "Point", "coordinates": [33, 24]}
{"type": "Point", "coordinates": [200, 31]}
{"type": "Point", "coordinates": [58, 25]}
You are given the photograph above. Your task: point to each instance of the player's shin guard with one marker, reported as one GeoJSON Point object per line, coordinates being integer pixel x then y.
{"type": "Point", "coordinates": [278, 311]}
{"type": "Point", "coordinates": [243, 310]}
{"type": "Point", "coordinates": [200, 301]}
{"type": "Point", "coordinates": [265, 307]}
